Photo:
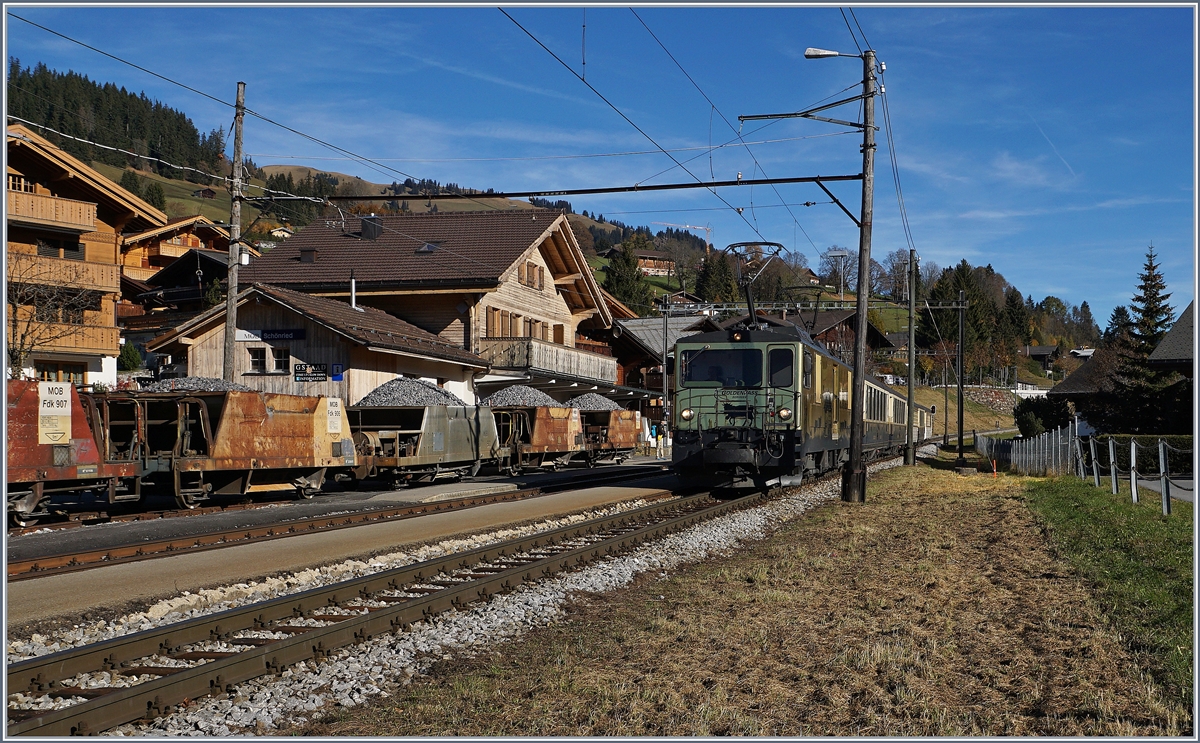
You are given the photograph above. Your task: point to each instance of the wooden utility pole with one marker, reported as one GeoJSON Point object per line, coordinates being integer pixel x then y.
{"type": "Point", "coordinates": [854, 480]}
{"type": "Point", "coordinates": [962, 339]}
{"type": "Point", "coordinates": [235, 237]}
{"type": "Point", "coordinates": [910, 449]}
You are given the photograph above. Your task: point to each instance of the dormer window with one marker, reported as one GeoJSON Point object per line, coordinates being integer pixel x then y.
{"type": "Point", "coordinates": [429, 247]}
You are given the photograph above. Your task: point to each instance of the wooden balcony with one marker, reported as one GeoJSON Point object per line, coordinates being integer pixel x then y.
{"type": "Point", "coordinates": [38, 210]}
{"type": "Point", "coordinates": [39, 269]}
{"type": "Point", "coordinates": [167, 250]}
{"type": "Point", "coordinates": [87, 339]}
{"type": "Point", "coordinates": [534, 354]}
{"type": "Point", "coordinates": [140, 273]}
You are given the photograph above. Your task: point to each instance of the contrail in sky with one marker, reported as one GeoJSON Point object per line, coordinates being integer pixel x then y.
{"type": "Point", "coordinates": [1056, 152]}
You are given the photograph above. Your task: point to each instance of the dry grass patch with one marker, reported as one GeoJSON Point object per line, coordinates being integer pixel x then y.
{"type": "Point", "coordinates": [935, 609]}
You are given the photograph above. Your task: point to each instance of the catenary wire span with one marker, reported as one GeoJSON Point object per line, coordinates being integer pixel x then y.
{"type": "Point", "coordinates": [628, 120]}
{"type": "Point", "coordinates": [852, 36]}
{"type": "Point", "coordinates": [724, 118]}
{"type": "Point", "coordinates": [372, 164]}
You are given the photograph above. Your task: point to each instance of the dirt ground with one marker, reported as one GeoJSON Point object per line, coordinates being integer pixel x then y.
{"type": "Point", "coordinates": [936, 608]}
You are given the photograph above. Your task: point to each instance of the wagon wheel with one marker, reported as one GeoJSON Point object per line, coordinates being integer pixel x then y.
{"type": "Point", "coordinates": [188, 498]}
{"type": "Point", "coordinates": [21, 520]}
{"type": "Point", "coordinates": [307, 492]}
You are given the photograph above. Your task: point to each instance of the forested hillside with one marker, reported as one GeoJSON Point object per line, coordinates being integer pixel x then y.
{"type": "Point", "coordinates": [109, 115]}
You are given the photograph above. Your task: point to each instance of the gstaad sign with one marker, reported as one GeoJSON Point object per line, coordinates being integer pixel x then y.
{"type": "Point", "coordinates": [310, 372]}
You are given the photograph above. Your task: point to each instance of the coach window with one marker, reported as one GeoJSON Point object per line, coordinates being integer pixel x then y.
{"type": "Point", "coordinates": [808, 369]}
{"type": "Point", "coordinates": [782, 372]}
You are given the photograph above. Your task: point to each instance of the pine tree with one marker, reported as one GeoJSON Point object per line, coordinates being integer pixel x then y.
{"type": "Point", "coordinates": [1136, 402]}
{"type": "Point", "coordinates": [129, 358]}
{"type": "Point", "coordinates": [716, 281]}
{"type": "Point", "coordinates": [155, 196]}
{"type": "Point", "coordinates": [624, 280]}
{"type": "Point", "coordinates": [129, 182]}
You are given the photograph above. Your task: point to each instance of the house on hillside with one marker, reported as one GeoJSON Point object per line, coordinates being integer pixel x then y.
{"type": "Point", "coordinates": [282, 233]}
{"type": "Point", "coordinates": [299, 344]}
{"type": "Point", "coordinates": [1044, 355]}
{"type": "Point", "coordinates": [835, 329]}
{"type": "Point", "coordinates": [205, 193]}
{"type": "Point", "coordinates": [65, 222]}
{"type": "Point", "coordinates": [650, 262]}
{"type": "Point", "coordinates": [510, 286]}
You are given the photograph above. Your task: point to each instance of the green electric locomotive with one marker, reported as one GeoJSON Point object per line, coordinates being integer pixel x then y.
{"type": "Point", "coordinates": [757, 405]}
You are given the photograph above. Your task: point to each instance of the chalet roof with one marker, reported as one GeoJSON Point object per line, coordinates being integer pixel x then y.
{"type": "Point", "coordinates": [616, 307]}
{"type": "Point", "coordinates": [647, 332]}
{"type": "Point", "coordinates": [472, 250]}
{"type": "Point", "coordinates": [182, 270]}
{"type": "Point", "coordinates": [899, 340]}
{"type": "Point", "coordinates": [178, 223]}
{"type": "Point", "coordinates": [99, 188]}
{"type": "Point", "coordinates": [1090, 378]}
{"type": "Point", "coordinates": [368, 326]}
{"type": "Point", "coordinates": [1177, 347]}
{"type": "Point", "coordinates": [819, 322]}
{"type": "Point", "coordinates": [1039, 352]}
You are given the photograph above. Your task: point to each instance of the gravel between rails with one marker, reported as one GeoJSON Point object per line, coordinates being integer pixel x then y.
{"type": "Point", "coordinates": [353, 675]}
{"type": "Point", "coordinates": [592, 401]}
{"type": "Point", "coordinates": [198, 384]}
{"type": "Point", "coordinates": [404, 392]}
{"type": "Point", "coordinates": [519, 396]}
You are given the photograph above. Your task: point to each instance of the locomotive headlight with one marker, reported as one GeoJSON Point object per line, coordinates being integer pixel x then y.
{"type": "Point", "coordinates": [687, 414]}
{"type": "Point", "coordinates": [785, 414]}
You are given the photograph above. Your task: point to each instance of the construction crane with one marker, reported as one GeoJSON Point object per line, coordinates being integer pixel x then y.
{"type": "Point", "coordinates": [708, 230]}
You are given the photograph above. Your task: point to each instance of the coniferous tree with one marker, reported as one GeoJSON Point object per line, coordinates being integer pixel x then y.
{"type": "Point", "coordinates": [716, 281]}
{"type": "Point", "coordinates": [155, 196]}
{"type": "Point", "coordinates": [1136, 403]}
{"type": "Point", "coordinates": [129, 182]}
{"type": "Point", "coordinates": [624, 280]}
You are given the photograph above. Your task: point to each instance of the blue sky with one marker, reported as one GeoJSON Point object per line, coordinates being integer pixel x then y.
{"type": "Point", "coordinates": [1054, 143]}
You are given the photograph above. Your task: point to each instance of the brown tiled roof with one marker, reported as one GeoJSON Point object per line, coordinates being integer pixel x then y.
{"type": "Point", "coordinates": [370, 326]}
{"type": "Point", "coordinates": [473, 249]}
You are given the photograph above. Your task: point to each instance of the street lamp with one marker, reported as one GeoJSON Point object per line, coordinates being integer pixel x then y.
{"type": "Point", "coordinates": [854, 478]}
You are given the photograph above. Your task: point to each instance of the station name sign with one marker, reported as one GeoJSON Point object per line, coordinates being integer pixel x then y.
{"type": "Point", "coordinates": [286, 334]}
{"type": "Point", "coordinates": [310, 372]}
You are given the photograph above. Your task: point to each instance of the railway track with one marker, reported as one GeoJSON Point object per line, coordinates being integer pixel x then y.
{"type": "Point", "coordinates": [72, 561]}
{"type": "Point", "coordinates": [146, 674]}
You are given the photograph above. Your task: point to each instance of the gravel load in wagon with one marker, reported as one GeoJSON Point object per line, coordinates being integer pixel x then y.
{"type": "Point", "coordinates": [520, 396]}
{"type": "Point", "coordinates": [402, 392]}
{"type": "Point", "coordinates": [196, 384]}
{"type": "Point", "coordinates": [592, 401]}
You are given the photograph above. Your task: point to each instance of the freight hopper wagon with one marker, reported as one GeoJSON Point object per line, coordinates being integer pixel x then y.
{"type": "Point", "coordinates": [538, 437]}
{"type": "Point", "coordinates": [53, 454]}
{"type": "Point", "coordinates": [189, 444]}
{"type": "Point", "coordinates": [413, 444]}
{"type": "Point", "coordinates": [610, 434]}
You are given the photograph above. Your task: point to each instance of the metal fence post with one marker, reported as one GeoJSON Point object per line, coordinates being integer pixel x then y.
{"type": "Point", "coordinates": [1133, 476]}
{"type": "Point", "coordinates": [1112, 463]}
{"type": "Point", "coordinates": [1095, 465]}
{"type": "Point", "coordinates": [1081, 468]}
{"type": "Point", "coordinates": [1164, 478]}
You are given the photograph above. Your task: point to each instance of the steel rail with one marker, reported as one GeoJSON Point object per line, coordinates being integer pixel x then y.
{"type": "Point", "coordinates": [157, 696]}
{"type": "Point", "coordinates": [73, 561]}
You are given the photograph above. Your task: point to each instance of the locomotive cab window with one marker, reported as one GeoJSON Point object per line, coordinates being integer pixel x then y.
{"type": "Point", "coordinates": [722, 367]}
{"type": "Point", "coordinates": [782, 367]}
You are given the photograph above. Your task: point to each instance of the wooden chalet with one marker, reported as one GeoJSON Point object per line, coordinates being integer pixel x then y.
{"type": "Point", "coordinates": [145, 253]}
{"type": "Point", "coordinates": [65, 222]}
{"type": "Point", "coordinates": [510, 286]}
{"type": "Point", "coordinates": [297, 343]}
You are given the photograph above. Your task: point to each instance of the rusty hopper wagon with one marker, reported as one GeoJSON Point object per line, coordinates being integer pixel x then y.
{"type": "Point", "coordinates": [610, 434]}
{"type": "Point", "coordinates": [538, 437]}
{"type": "Point", "coordinates": [191, 445]}
{"type": "Point", "coordinates": [413, 445]}
{"type": "Point", "coordinates": [52, 452]}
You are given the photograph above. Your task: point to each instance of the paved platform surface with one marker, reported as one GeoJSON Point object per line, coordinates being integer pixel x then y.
{"type": "Point", "coordinates": [140, 583]}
